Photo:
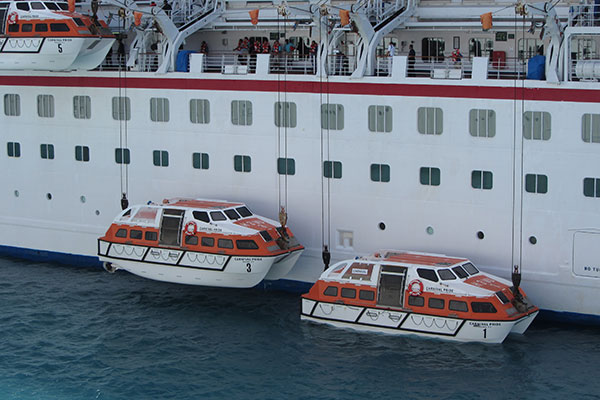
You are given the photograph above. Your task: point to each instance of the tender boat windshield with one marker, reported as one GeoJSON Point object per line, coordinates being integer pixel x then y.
{"type": "Point", "coordinates": [470, 268]}
{"type": "Point", "coordinates": [232, 214]}
{"type": "Point", "coordinates": [460, 272]}
{"type": "Point", "coordinates": [446, 274]}
{"type": "Point", "coordinates": [201, 216]}
{"type": "Point", "coordinates": [244, 212]}
{"type": "Point", "coordinates": [217, 216]}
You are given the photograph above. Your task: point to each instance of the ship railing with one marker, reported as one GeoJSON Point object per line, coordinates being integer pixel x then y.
{"type": "Point", "coordinates": [293, 64]}
{"type": "Point", "coordinates": [340, 64]}
{"type": "Point", "coordinates": [584, 14]}
{"type": "Point", "coordinates": [230, 63]}
{"type": "Point", "coordinates": [509, 68]}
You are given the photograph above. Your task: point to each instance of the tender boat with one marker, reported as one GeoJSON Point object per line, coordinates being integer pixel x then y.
{"type": "Point", "coordinates": [424, 294]}
{"type": "Point", "coordinates": [199, 242]}
{"type": "Point", "coordinates": [46, 35]}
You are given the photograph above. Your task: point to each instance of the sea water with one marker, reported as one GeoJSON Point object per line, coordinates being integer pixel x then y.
{"type": "Point", "coordinates": [81, 333]}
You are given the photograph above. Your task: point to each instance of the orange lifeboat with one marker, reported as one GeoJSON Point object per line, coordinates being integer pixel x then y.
{"type": "Point", "coordinates": [422, 294]}
{"type": "Point", "coordinates": [199, 242]}
{"type": "Point", "coordinates": [36, 35]}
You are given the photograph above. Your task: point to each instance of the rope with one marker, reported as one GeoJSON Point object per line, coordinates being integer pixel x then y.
{"type": "Point", "coordinates": [325, 194]}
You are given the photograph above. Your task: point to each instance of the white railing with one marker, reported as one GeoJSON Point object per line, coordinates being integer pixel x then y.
{"type": "Point", "coordinates": [511, 68]}
{"type": "Point", "coordinates": [340, 64]}
{"type": "Point", "coordinates": [584, 15]}
{"type": "Point", "coordinates": [230, 63]}
{"type": "Point", "coordinates": [294, 64]}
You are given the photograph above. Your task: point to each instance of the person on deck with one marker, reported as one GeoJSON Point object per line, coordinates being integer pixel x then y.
{"type": "Point", "coordinates": [411, 60]}
{"type": "Point", "coordinates": [266, 48]}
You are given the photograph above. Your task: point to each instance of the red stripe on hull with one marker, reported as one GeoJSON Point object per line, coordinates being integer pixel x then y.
{"type": "Point", "coordinates": [354, 88]}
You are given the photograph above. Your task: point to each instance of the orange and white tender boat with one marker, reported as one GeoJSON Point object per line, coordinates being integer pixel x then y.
{"type": "Point", "coordinates": [199, 242]}
{"type": "Point", "coordinates": [416, 293]}
{"type": "Point", "coordinates": [45, 35]}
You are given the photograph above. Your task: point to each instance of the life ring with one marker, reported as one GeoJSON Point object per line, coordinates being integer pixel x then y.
{"type": "Point", "coordinates": [415, 287]}
{"type": "Point", "coordinates": [13, 18]}
{"type": "Point", "coordinates": [190, 228]}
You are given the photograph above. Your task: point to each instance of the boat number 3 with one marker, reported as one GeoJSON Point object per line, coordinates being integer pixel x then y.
{"type": "Point", "coordinates": [249, 267]}
{"type": "Point", "coordinates": [60, 48]}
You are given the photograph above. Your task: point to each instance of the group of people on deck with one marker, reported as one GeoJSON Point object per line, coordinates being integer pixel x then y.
{"type": "Point", "coordinates": [253, 46]}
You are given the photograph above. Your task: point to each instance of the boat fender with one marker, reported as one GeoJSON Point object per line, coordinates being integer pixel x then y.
{"type": "Point", "coordinates": [109, 267]}
{"type": "Point", "coordinates": [415, 287]}
{"type": "Point", "coordinates": [326, 256]}
{"type": "Point", "coordinates": [13, 18]}
{"type": "Point", "coordinates": [191, 228]}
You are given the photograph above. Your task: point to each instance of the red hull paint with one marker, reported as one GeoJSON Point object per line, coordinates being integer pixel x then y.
{"type": "Point", "coordinates": [379, 89]}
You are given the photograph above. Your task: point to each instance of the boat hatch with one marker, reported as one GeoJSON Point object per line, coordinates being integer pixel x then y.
{"type": "Point", "coordinates": [391, 286]}
{"type": "Point", "coordinates": [170, 227]}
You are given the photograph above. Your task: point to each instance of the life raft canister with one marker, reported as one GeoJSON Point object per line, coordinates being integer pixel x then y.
{"type": "Point", "coordinates": [415, 287]}
{"type": "Point", "coordinates": [13, 18]}
{"type": "Point", "coordinates": [190, 228]}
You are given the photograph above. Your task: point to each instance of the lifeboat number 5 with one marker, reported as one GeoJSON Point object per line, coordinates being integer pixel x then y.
{"type": "Point", "coordinates": [415, 287]}
{"type": "Point", "coordinates": [13, 18]}
{"type": "Point", "coordinates": [190, 228]}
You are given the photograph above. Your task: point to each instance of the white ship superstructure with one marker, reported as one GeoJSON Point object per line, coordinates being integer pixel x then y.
{"type": "Point", "coordinates": [365, 151]}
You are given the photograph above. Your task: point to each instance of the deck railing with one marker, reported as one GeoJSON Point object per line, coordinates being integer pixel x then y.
{"type": "Point", "coordinates": [584, 15]}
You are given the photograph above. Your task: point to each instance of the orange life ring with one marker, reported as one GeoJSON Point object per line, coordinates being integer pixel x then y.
{"type": "Point", "coordinates": [415, 287]}
{"type": "Point", "coordinates": [13, 18]}
{"type": "Point", "coordinates": [190, 228]}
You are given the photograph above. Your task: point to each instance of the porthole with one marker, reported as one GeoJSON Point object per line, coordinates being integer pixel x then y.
{"type": "Point", "coordinates": [532, 239]}
{"type": "Point", "coordinates": [16, 193]}
{"type": "Point", "coordinates": [480, 235]}
{"type": "Point", "coordinates": [97, 212]}
{"type": "Point", "coordinates": [382, 226]}
{"type": "Point", "coordinates": [49, 196]}
{"type": "Point", "coordinates": [429, 230]}
{"type": "Point", "coordinates": [82, 199]}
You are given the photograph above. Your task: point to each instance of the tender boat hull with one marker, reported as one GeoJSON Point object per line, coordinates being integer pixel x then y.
{"type": "Point", "coordinates": [191, 267]}
{"type": "Point", "coordinates": [408, 323]}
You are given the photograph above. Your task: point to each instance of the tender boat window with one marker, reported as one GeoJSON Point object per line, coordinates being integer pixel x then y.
{"type": "Point", "coordinates": [135, 234]}
{"type": "Point", "coordinates": [51, 6]}
{"type": "Point", "coordinates": [27, 28]}
{"type": "Point", "coordinates": [366, 295]}
{"type": "Point", "coordinates": [78, 21]}
{"type": "Point", "coordinates": [265, 235]}
{"type": "Point", "coordinates": [63, 6]}
{"type": "Point", "coordinates": [470, 268]}
{"type": "Point", "coordinates": [59, 27]}
{"type": "Point", "coordinates": [456, 305]}
{"type": "Point", "coordinates": [121, 233]}
{"type": "Point", "coordinates": [151, 236]}
{"type": "Point", "coordinates": [428, 274]}
{"type": "Point", "coordinates": [232, 214]}
{"type": "Point", "coordinates": [191, 240]}
{"type": "Point", "coordinates": [127, 213]}
{"type": "Point", "coordinates": [37, 6]}
{"type": "Point", "coordinates": [348, 293]}
{"type": "Point", "coordinates": [207, 241]}
{"type": "Point", "coordinates": [244, 212]}
{"type": "Point", "coordinates": [436, 303]}
{"type": "Point", "coordinates": [446, 274]}
{"type": "Point", "coordinates": [217, 216]}
{"type": "Point", "coordinates": [41, 28]}
{"type": "Point", "coordinates": [483, 307]}
{"type": "Point", "coordinates": [502, 297]}
{"type": "Point", "coordinates": [331, 291]}
{"type": "Point", "coordinates": [201, 216]}
{"type": "Point", "coordinates": [13, 28]}
{"type": "Point", "coordinates": [23, 6]}
{"type": "Point", "coordinates": [246, 244]}
{"type": "Point", "coordinates": [460, 272]}
{"type": "Point", "coordinates": [225, 243]}
{"type": "Point", "coordinates": [416, 301]}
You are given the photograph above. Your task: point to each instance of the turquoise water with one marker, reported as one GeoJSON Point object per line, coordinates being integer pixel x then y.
{"type": "Point", "coordinates": [81, 333]}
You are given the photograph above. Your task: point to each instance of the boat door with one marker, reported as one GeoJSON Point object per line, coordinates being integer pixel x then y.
{"type": "Point", "coordinates": [170, 227]}
{"type": "Point", "coordinates": [392, 280]}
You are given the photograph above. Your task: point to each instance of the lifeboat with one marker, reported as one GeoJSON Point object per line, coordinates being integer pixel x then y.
{"type": "Point", "coordinates": [422, 294]}
{"type": "Point", "coordinates": [45, 35]}
{"type": "Point", "coordinates": [199, 242]}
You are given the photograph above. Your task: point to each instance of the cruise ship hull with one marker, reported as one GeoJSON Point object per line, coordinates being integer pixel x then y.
{"type": "Point", "coordinates": [62, 205]}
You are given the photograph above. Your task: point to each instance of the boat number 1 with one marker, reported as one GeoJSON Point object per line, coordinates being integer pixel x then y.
{"type": "Point", "coordinates": [60, 47]}
{"type": "Point", "coordinates": [249, 267]}
{"type": "Point", "coordinates": [485, 333]}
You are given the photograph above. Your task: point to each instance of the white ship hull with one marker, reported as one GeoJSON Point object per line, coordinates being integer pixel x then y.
{"type": "Point", "coordinates": [62, 205]}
